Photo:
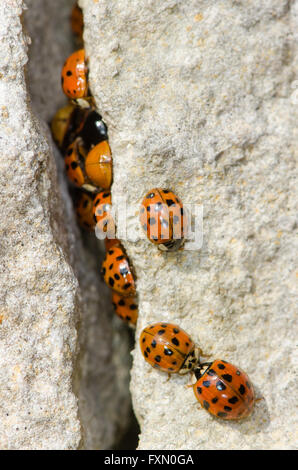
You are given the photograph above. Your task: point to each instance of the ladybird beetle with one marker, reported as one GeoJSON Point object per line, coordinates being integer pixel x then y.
{"type": "Point", "coordinates": [163, 219]}
{"type": "Point", "coordinates": [117, 272]}
{"type": "Point", "coordinates": [84, 211]}
{"type": "Point", "coordinates": [169, 348]}
{"type": "Point", "coordinates": [102, 207]}
{"type": "Point", "coordinates": [74, 76]}
{"type": "Point", "coordinates": [224, 390]}
{"type": "Point", "coordinates": [126, 308]}
{"type": "Point", "coordinates": [77, 22]}
{"type": "Point", "coordinates": [98, 165]}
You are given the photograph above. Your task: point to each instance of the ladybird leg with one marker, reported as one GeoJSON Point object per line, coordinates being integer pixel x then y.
{"type": "Point", "coordinates": [259, 399]}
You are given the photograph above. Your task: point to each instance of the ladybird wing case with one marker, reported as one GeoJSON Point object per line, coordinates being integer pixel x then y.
{"type": "Point", "coordinates": [74, 76]}
{"type": "Point", "coordinates": [117, 272]}
{"type": "Point", "coordinates": [126, 308]}
{"type": "Point", "coordinates": [165, 346]}
{"type": "Point", "coordinates": [84, 205]}
{"type": "Point", "coordinates": [154, 217]}
{"type": "Point", "coordinates": [72, 165]}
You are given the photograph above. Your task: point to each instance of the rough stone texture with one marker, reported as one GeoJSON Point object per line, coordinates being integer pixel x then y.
{"type": "Point", "coordinates": [201, 97]}
{"type": "Point", "coordinates": [50, 397]}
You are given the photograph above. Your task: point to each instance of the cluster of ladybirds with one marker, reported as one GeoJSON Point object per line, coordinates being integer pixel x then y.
{"type": "Point", "coordinates": [82, 138]}
{"type": "Point", "coordinates": [221, 388]}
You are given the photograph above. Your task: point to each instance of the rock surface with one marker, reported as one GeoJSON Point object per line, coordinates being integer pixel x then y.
{"type": "Point", "coordinates": [202, 99]}
{"type": "Point", "coordinates": [63, 360]}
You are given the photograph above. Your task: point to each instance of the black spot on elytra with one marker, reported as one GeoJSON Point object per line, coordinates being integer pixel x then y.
{"type": "Point", "coordinates": [167, 351]}
{"type": "Point", "coordinates": [153, 344]}
{"type": "Point", "coordinates": [163, 325]}
{"type": "Point", "coordinates": [221, 414]}
{"type": "Point", "coordinates": [105, 194]}
{"type": "Point", "coordinates": [206, 383]}
{"type": "Point", "coordinates": [233, 400]}
{"type": "Point", "coordinates": [133, 307]}
{"type": "Point", "coordinates": [145, 354]}
{"type": "Point", "coordinates": [157, 358]}
{"type": "Point", "coordinates": [238, 372]}
{"type": "Point", "coordinates": [206, 405]}
{"type": "Point", "coordinates": [199, 390]}
{"type": "Point", "coordinates": [227, 377]}
{"type": "Point", "coordinates": [227, 408]}
{"type": "Point", "coordinates": [150, 196]}
{"type": "Point", "coordinates": [69, 73]}
{"type": "Point", "coordinates": [148, 349]}
{"type": "Point", "coordinates": [176, 330]}
{"type": "Point", "coordinates": [111, 266]}
{"type": "Point", "coordinates": [67, 167]}
{"type": "Point", "coordinates": [143, 340]}
{"type": "Point", "coordinates": [175, 341]}
{"type": "Point", "coordinates": [128, 318]}
{"type": "Point", "coordinates": [170, 202]}
{"type": "Point", "coordinates": [211, 372]}
{"type": "Point", "coordinates": [221, 366]}
{"type": "Point", "coordinates": [220, 386]}
{"type": "Point", "coordinates": [214, 400]}
{"type": "Point", "coordinates": [126, 286]}
{"type": "Point", "coordinates": [119, 258]}
{"type": "Point", "coordinates": [103, 271]}
{"type": "Point", "coordinates": [111, 252]}
{"type": "Point", "coordinates": [174, 363]}
{"type": "Point", "coordinates": [160, 332]}
{"type": "Point", "coordinates": [117, 277]}
{"type": "Point", "coordinates": [241, 389]}
{"type": "Point", "coordinates": [122, 303]}
{"type": "Point", "coordinates": [111, 281]}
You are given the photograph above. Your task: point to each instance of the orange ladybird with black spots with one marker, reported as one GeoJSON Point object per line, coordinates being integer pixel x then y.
{"type": "Point", "coordinates": [169, 348]}
{"type": "Point", "coordinates": [224, 390]}
{"type": "Point", "coordinates": [163, 219]}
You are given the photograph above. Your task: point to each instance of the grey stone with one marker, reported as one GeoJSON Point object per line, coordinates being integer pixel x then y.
{"type": "Point", "coordinates": [64, 358]}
